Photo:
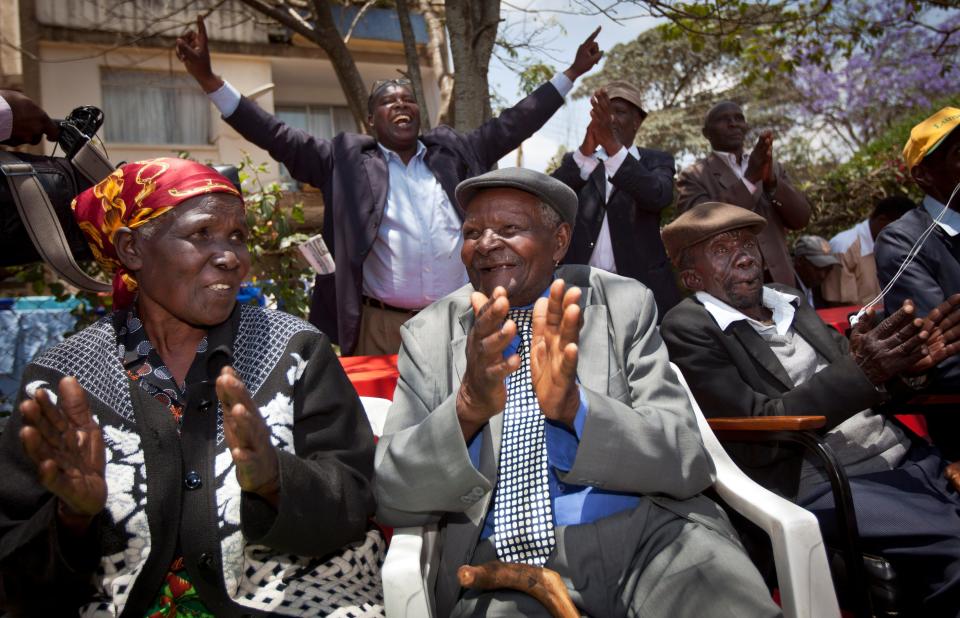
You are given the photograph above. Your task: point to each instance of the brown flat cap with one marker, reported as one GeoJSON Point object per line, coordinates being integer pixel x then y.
{"type": "Point", "coordinates": [626, 91]}
{"type": "Point", "coordinates": [704, 221]}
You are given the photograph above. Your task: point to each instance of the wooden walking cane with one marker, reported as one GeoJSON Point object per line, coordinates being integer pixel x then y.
{"type": "Point", "coordinates": [543, 584]}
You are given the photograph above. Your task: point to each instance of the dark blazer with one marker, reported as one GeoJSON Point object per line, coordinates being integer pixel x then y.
{"type": "Point", "coordinates": [932, 276]}
{"type": "Point", "coordinates": [351, 172]}
{"type": "Point", "coordinates": [734, 372]}
{"type": "Point", "coordinates": [642, 189]}
{"type": "Point", "coordinates": [712, 180]}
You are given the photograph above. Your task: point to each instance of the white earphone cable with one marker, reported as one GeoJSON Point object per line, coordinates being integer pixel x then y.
{"type": "Point", "coordinates": [914, 251]}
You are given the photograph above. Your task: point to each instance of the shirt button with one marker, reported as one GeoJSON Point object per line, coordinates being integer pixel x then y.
{"type": "Point", "coordinates": [192, 480]}
{"type": "Point", "coordinates": [561, 487]}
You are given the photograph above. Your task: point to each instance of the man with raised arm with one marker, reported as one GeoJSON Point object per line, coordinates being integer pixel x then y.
{"type": "Point", "coordinates": [390, 218]}
{"type": "Point", "coordinates": [622, 189]}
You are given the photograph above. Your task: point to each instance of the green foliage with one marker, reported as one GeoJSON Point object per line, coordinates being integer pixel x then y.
{"type": "Point", "coordinates": [554, 163]}
{"type": "Point", "coordinates": [844, 194]}
{"type": "Point", "coordinates": [278, 270]}
{"type": "Point", "coordinates": [534, 75]}
{"type": "Point", "coordinates": [681, 80]}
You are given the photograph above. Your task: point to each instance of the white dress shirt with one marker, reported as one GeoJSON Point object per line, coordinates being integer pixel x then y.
{"type": "Point", "coordinates": [738, 168]}
{"type": "Point", "coordinates": [415, 258]}
{"type": "Point", "coordinates": [843, 241]}
{"type": "Point", "coordinates": [781, 304]}
{"type": "Point", "coordinates": [951, 219]}
{"type": "Point", "coordinates": [6, 120]}
{"type": "Point", "coordinates": [602, 256]}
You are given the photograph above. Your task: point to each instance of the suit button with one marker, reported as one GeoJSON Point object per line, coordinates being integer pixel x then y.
{"type": "Point", "coordinates": [205, 405]}
{"type": "Point", "coordinates": [477, 491]}
{"type": "Point", "coordinates": [192, 480]}
{"type": "Point", "coordinates": [206, 562]}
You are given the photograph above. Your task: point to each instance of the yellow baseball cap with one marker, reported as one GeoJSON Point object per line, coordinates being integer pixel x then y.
{"type": "Point", "coordinates": [926, 136]}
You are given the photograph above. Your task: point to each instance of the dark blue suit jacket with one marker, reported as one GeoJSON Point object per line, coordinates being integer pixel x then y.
{"type": "Point", "coordinates": [933, 275]}
{"type": "Point", "coordinates": [641, 190]}
{"type": "Point", "coordinates": [351, 173]}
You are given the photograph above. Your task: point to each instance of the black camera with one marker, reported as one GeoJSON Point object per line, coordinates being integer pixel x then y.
{"type": "Point", "coordinates": [78, 128]}
{"type": "Point", "coordinates": [61, 181]}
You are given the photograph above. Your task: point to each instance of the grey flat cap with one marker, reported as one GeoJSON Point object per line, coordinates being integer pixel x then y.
{"type": "Point", "coordinates": [554, 193]}
{"type": "Point", "coordinates": [816, 250]}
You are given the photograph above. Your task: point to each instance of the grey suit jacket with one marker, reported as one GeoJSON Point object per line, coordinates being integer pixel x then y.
{"type": "Point", "coordinates": [712, 180]}
{"type": "Point", "coordinates": [640, 436]}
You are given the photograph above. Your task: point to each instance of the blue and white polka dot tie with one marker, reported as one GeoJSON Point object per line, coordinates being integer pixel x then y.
{"type": "Point", "coordinates": [522, 512]}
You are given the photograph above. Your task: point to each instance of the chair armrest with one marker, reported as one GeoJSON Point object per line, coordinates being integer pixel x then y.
{"type": "Point", "coordinates": [767, 423]}
{"type": "Point", "coordinates": [803, 573]}
{"type": "Point", "coordinates": [407, 587]}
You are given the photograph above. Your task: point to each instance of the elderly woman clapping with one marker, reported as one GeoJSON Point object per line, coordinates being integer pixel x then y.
{"type": "Point", "coordinates": [186, 456]}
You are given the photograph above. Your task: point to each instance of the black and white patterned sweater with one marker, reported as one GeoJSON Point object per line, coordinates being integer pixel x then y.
{"type": "Point", "coordinates": [314, 555]}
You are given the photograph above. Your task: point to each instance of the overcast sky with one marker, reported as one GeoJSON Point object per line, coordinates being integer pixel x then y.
{"type": "Point", "coordinates": [567, 126]}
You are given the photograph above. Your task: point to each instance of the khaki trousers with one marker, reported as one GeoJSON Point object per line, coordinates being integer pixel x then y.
{"type": "Point", "coordinates": [379, 331]}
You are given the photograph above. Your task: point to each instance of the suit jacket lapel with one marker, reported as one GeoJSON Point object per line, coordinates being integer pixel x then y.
{"type": "Point", "coordinates": [593, 363]}
{"type": "Point", "coordinates": [728, 180]}
{"type": "Point", "coordinates": [375, 166]}
{"type": "Point", "coordinates": [813, 330]}
{"type": "Point", "coordinates": [758, 348]}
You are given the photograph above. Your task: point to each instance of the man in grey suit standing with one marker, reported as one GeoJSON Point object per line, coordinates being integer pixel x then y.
{"type": "Point", "coordinates": [537, 420]}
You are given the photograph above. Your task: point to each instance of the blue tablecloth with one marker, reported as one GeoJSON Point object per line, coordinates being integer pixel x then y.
{"type": "Point", "coordinates": [32, 325]}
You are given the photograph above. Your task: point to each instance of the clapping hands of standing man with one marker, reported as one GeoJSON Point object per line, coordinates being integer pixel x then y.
{"type": "Point", "coordinates": [760, 164]}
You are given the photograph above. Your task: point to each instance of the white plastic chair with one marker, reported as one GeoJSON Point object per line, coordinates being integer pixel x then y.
{"type": "Point", "coordinates": [376, 409]}
{"type": "Point", "coordinates": [806, 590]}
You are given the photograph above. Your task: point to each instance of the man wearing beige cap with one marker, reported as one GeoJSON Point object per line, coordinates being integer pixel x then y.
{"type": "Point", "coordinates": [749, 349]}
{"type": "Point", "coordinates": [621, 189]}
{"type": "Point", "coordinates": [537, 421]}
{"type": "Point", "coordinates": [813, 262]}
{"type": "Point", "coordinates": [749, 179]}
{"type": "Point", "coordinates": [932, 154]}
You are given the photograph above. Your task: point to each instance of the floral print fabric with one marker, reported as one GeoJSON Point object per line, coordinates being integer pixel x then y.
{"type": "Point", "coordinates": [177, 597]}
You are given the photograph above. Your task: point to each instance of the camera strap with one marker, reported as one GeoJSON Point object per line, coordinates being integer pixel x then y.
{"type": "Point", "coordinates": [92, 162]}
{"type": "Point", "coordinates": [40, 220]}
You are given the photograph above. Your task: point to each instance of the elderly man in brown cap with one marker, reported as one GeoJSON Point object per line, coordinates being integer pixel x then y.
{"type": "Point", "coordinates": [750, 349]}
{"type": "Point", "coordinates": [622, 189]}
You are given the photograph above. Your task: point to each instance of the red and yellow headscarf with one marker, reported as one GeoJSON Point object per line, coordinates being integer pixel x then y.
{"type": "Point", "coordinates": [131, 196]}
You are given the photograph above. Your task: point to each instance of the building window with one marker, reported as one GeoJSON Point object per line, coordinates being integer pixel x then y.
{"type": "Point", "coordinates": [322, 121]}
{"type": "Point", "coordinates": [153, 107]}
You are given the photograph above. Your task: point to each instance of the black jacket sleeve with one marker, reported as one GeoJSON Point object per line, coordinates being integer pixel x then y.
{"type": "Point", "coordinates": [309, 158]}
{"type": "Point", "coordinates": [325, 488]}
{"type": "Point", "coordinates": [45, 570]}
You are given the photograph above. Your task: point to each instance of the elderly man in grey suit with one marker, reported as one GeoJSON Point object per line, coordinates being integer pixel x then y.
{"type": "Point", "coordinates": [537, 421]}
